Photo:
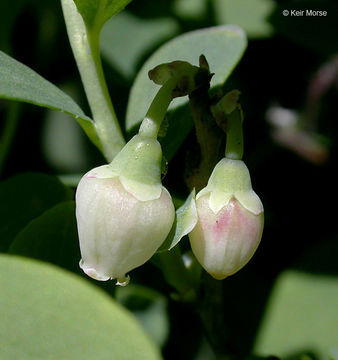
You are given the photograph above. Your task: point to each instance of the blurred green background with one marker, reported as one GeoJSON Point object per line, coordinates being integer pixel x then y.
{"type": "Point", "coordinates": [284, 303]}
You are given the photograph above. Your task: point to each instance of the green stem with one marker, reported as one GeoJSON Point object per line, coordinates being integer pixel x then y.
{"type": "Point", "coordinates": [86, 49]}
{"type": "Point", "coordinates": [152, 122]}
{"type": "Point", "coordinates": [11, 123]}
{"type": "Point", "coordinates": [234, 145]}
{"type": "Point", "coordinates": [211, 310]}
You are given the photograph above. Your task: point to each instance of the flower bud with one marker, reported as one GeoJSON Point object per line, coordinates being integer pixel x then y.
{"type": "Point", "coordinates": [230, 220]}
{"type": "Point", "coordinates": [123, 212]}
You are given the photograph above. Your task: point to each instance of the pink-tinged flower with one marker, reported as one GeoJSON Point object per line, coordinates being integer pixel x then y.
{"type": "Point", "coordinates": [123, 212]}
{"type": "Point", "coordinates": [230, 220]}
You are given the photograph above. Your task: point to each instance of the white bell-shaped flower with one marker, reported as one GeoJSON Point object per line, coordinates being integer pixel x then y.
{"type": "Point", "coordinates": [230, 220]}
{"type": "Point", "coordinates": [123, 212]}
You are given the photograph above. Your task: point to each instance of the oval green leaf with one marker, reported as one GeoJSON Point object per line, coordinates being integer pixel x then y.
{"type": "Point", "coordinates": [223, 47]}
{"type": "Point", "coordinates": [50, 314]}
{"type": "Point", "coordinates": [19, 82]}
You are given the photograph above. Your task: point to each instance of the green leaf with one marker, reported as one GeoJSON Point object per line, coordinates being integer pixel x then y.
{"type": "Point", "coordinates": [185, 221]}
{"type": "Point", "coordinates": [96, 12]}
{"type": "Point", "coordinates": [301, 316]}
{"type": "Point", "coordinates": [150, 32]}
{"type": "Point", "coordinates": [47, 313]}
{"type": "Point", "coordinates": [19, 82]}
{"type": "Point", "coordinates": [150, 309]}
{"type": "Point", "coordinates": [51, 237]}
{"type": "Point", "coordinates": [24, 197]}
{"type": "Point", "coordinates": [251, 15]}
{"type": "Point", "coordinates": [222, 46]}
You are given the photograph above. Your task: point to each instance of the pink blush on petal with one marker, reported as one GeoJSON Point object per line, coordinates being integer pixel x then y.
{"type": "Point", "coordinates": [223, 220]}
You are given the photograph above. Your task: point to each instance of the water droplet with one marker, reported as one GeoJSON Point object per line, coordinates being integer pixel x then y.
{"type": "Point", "coordinates": [124, 281]}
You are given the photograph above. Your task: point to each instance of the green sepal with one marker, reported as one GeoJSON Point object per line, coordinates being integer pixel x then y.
{"type": "Point", "coordinates": [185, 221]}
{"type": "Point", "coordinates": [138, 165]}
{"type": "Point", "coordinates": [231, 179]}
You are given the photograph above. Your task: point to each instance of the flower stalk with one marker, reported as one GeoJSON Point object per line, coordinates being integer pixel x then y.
{"type": "Point", "coordinates": [152, 121]}
{"type": "Point", "coordinates": [234, 143]}
{"type": "Point", "coordinates": [85, 45]}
